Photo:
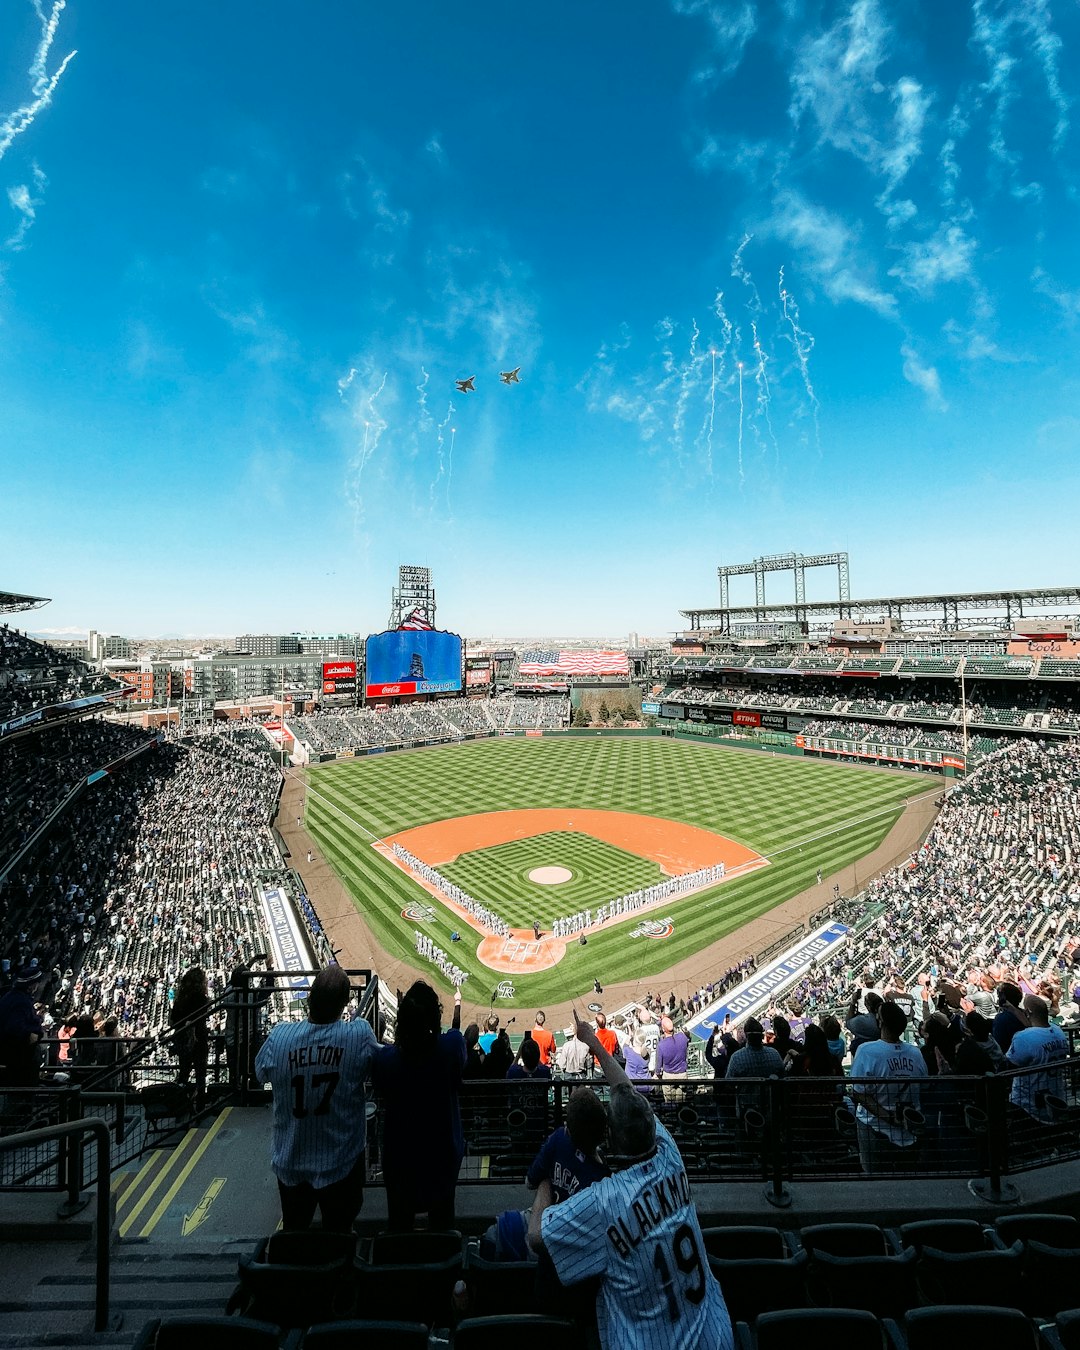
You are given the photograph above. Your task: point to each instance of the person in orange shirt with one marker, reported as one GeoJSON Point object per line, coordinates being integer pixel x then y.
{"type": "Point", "coordinates": [605, 1035]}
{"type": "Point", "coordinates": [544, 1039]}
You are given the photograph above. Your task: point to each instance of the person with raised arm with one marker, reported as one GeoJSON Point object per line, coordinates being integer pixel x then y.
{"type": "Point", "coordinates": [636, 1230]}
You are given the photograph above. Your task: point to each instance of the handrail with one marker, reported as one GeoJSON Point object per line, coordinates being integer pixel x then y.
{"type": "Point", "coordinates": [103, 1225]}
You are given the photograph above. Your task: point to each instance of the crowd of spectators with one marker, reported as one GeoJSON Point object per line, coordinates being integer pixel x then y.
{"type": "Point", "coordinates": [35, 675]}
{"type": "Point", "coordinates": [333, 730]}
{"type": "Point", "coordinates": [154, 870]}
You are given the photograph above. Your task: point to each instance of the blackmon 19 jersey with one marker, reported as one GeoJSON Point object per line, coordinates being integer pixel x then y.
{"type": "Point", "coordinates": [638, 1229]}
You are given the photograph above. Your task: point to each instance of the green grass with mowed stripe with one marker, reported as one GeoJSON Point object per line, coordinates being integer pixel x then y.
{"type": "Point", "coordinates": [801, 814]}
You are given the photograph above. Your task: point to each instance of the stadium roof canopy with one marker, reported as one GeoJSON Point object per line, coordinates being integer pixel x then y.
{"type": "Point", "coordinates": [1002, 608]}
{"type": "Point", "coordinates": [13, 603]}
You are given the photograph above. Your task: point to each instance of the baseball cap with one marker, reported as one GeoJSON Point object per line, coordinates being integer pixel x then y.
{"type": "Point", "coordinates": [752, 1027]}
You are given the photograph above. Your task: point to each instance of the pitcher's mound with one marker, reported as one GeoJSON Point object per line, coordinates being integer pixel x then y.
{"type": "Point", "coordinates": [550, 876]}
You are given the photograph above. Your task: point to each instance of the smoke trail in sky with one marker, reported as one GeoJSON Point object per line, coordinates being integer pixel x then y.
{"type": "Point", "coordinates": [740, 270]}
{"type": "Point", "coordinates": [42, 85]}
{"type": "Point", "coordinates": [374, 426]}
{"type": "Point", "coordinates": [687, 378]}
{"type": "Point", "coordinates": [802, 343]}
{"type": "Point", "coordinates": [421, 390]}
{"type": "Point", "coordinates": [712, 416]}
{"type": "Point", "coordinates": [439, 444]}
{"type": "Point", "coordinates": [741, 478]}
{"type": "Point", "coordinates": [450, 467]}
{"type": "Point", "coordinates": [764, 394]}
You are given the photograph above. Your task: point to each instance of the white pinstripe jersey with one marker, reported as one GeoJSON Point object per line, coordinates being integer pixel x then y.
{"type": "Point", "coordinates": [317, 1072]}
{"type": "Point", "coordinates": [639, 1230]}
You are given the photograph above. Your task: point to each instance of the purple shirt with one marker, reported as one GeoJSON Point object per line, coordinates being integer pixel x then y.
{"type": "Point", "coordinates": [671, 1053]}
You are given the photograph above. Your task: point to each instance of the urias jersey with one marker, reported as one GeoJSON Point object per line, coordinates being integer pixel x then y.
{"type": "Point", "coordinates": [639, 1230]}
{"type": "Point", "coordinates": [317, 1072]}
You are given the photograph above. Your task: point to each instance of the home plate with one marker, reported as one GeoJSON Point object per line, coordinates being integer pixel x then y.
{"type": "Point", "coordinates": [550, 876]}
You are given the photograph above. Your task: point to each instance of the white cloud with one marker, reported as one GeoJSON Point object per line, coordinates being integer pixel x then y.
{"type": "Point", "coordinates": [1066, 301]}
{"type": "Point", "coordinates": [946, 256]}
{"type": "Point", "coordinates": [732, 26]}
{"type": "Point", "coordinates": [923, 377]}
{"type": "Point", "coordinates": [829, 249]}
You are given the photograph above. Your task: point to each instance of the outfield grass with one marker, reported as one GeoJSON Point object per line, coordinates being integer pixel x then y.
{"type": "Point", "coordinates": [800, 814]}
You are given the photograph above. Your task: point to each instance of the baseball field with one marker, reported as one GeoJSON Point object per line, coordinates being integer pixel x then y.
{"type": "Point", "coordinates": [612, 815]}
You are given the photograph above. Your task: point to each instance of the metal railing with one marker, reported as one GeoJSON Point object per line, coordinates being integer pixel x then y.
{"type": "Point", "coordinates": [67, 1132]}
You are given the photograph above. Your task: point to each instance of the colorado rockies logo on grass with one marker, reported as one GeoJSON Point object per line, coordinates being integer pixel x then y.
{"type": "Point", "coordinates": [654, 928]}
{"type": "Point", "coordinates": [504, 989]}
{"type": "Point", "coordinates": [415, 912]}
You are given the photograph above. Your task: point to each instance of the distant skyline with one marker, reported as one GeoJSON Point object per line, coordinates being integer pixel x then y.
{"type": "Point", "coordinates": [778, 275]}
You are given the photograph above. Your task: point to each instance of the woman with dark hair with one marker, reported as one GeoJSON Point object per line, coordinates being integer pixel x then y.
{"type": "Point", "coordinates": [188, 1017]}
{"type": "Point", "coordinates": [417, 1079]}
{"type": "Point", "coordinates": [85, 1045]}
{"type": "Point", "coordinates": [813, 1102]}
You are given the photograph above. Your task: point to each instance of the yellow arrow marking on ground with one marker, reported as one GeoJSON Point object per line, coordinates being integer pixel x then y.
{"type": "Point", "coordinates": [202, 1210]}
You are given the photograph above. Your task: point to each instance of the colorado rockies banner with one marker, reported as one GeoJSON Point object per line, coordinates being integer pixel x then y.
{"type": "Point", "coordinates": [287, 946]}
{"type": "Point", "coordinates": [763, 986]}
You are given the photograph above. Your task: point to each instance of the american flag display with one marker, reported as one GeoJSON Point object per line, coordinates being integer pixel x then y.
{"type": "Point", "coordinates": [417, 621]}
{"type": "Point", "coordinates": [573, 663]}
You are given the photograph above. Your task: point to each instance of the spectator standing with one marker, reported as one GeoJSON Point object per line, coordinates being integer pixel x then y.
{"type": "Point", "coordinates": [188, 1018]}
{"type": "Point", "coordinates": [317, 1070]}
{"type": "Point", "coordinates": [886, 1139]}
{"type": "Point", "coordinates": [418, 1078]}
{"type": "Point", "coordinates": [21, 1031]}
{"type": "Point", "coordinates": [1010, 1018]}
{"type": "Point", "coordinates": [636, 1052]}
{"type": "Point", "coordinates": [606, 1036]}
{"type": "Point", "coordinates": [1038, 1046]}
{"type": "Point", "coordinates": [658, 1292]}
{"type": "Point", "coordinates": [544, 1039]}
{"type": "Point", "coordinates": [490, 1033]}
{"type": "Point", "coordinates": [754, 1060]}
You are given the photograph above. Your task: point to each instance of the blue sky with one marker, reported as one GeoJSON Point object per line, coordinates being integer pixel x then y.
{"type": "Point", "coordinates": [246, 250]}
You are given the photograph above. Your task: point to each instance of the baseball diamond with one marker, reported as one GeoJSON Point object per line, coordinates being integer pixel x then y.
{"type": "Point", "coordinates": [797, 815]}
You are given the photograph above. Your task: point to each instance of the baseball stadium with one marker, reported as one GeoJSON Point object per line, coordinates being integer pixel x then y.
{"type": "Point", "coordinates": [725, 854]}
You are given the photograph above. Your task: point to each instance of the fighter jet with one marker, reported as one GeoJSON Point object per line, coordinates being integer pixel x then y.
{"type": "Point", "coordinates": [510, 376]}
{"type": "Point", "coordinates": [466, 386]}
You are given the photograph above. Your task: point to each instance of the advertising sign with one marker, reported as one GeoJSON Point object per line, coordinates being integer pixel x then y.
{"type": "Point", "coordinates": [671, 710]}
{"type": "Point", "coordinates": [481, 675]}
{"type": "Point", "coordinates": [412, 661]}
{"type": "Point", "coordinates": [746, 719]}
{"type": "Point", "coordinates": [772, 719]}
{"type": "Point", "coordinates": [650, 709]}
{"type": "Point", "coordinates": [339, 677]}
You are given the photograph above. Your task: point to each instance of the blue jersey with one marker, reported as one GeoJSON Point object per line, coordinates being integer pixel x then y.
{"type": "Point", "coordinates": [639, 1230]}
{"type": "Point", "coordinates": [565, 1166]}
{"type": "Point", "coordinates": [317, 1072]}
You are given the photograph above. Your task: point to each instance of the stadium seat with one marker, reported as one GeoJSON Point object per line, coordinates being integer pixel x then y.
{"type": "Point", "coordinates": [947, 1235]}
{"type": "Point", "coordinates": [992, 1278]}
{"type": "Point", "coordinates": [845, 1239]}
{"type": "Point", "coordinates": [882, 1285]}
{"type": "Point", "coordinates": [745, 1242]}
{"type": "Point", "coordinates": [849, 1328]}
{"type": "Point", "coordinates": [1065, 1332]}
{"type": "Point", "coordinates": [963, 1324]}
{"type": "Point", "coordinates": [1057, 1230]}
{"type": "Point", "coordinates": [419, 1248]}
{"type": "Point", "coordinates": [423, 1289]}
{"type": "Point", "coordinates": [499, 1287]}
{"type": "Point", "coordinates": [754, 1286]}
{"type": "Point", "coordinates": [315, 1281]}
{"type": "Point", "coordinates": [358, 1334]}
{"type": "Point", "coordinates": [527, 1331]}
{"type": "Point", "coordinates": [207, 1333]}
{"type": "Point", "coordinates": [1051, 1277]}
